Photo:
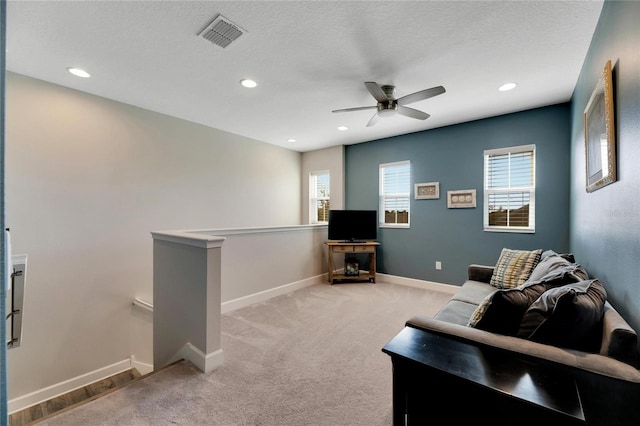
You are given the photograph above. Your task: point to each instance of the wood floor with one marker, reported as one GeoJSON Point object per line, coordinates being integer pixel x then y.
{"type": "Point", "coordinates": [42, 411]}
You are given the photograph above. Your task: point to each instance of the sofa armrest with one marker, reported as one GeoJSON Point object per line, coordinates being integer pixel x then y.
{"type": "Point", "coordinates": [595, 363]}
{"type": "Point", "coordinates": [619, 340]}
{"type": "Point", "coordinates": [480, 273]}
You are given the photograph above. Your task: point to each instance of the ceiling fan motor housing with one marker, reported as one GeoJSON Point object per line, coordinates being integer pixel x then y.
{"type": "Point", "coordinates": [387, 108]}
{"type": "Point", "coordinates": [388, 90]}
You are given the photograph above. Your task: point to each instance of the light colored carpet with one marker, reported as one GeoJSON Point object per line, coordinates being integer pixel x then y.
{"type": "Point", "coordinates": [312, 357]}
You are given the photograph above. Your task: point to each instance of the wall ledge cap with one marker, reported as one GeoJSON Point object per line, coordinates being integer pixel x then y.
{"type": "Point", "coordinates": [189, 238]}
{"type": "Point", "coordinates": [215, 237]}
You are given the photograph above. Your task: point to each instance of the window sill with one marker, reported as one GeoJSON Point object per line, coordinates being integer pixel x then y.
{"type": "Point", "coordinates": [394, 225]}
{"type": "Point", "coordinates": [512, 230]}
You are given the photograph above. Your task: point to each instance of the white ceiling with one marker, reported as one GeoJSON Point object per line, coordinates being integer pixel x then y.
{"type": "Point", "coordinates": [309, 58]}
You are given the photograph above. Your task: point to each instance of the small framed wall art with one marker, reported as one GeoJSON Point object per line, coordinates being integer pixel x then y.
{"type": "Point", "coordinates": [599, 134]}
{"type": "Point", "coordinates": [461, 199]}
{"type": "Point", "coordinates": [427, 191]}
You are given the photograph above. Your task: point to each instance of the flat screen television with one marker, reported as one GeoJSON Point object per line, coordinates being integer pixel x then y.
{"type": "Point", "coordinates": [353, 225]}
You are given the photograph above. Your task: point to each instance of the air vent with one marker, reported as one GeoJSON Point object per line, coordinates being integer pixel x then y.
{"type": "Point", "coordinates": [222, 32]}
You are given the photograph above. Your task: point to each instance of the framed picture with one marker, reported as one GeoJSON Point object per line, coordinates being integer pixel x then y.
{"type": "Point", "coordinates": [462, 199]}
{"type": "Point", "coordinates": [427, 191]}
{"type": "Point", "coordinates": [599, 134]}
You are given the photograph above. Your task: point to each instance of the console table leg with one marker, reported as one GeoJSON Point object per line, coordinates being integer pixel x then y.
{"type": "Point", "coordinates": [330, 265]}
{"type": "Point", "coordinates": [399, 397]}
{"type": "Point", "coordinates": [372, 266]}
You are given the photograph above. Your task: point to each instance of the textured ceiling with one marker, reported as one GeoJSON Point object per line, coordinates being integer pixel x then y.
{"type": "Point", "coordinates": [308, 57]}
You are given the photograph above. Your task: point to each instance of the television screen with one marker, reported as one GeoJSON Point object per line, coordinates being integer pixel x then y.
{"type": "Point", "coordinates": [353, 225]}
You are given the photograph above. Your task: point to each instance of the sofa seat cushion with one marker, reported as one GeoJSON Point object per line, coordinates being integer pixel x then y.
{"type": "Point", "coordinates": [514, 267]}
{"type": "Point", "coordinates": [568, 316]}
{"type": "Point", "coordinates": [473, 292]}
{"type": "Point", "coordinates": [456, 312]}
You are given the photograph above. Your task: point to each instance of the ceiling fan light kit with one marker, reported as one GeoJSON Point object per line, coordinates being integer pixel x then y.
{"type": "Point", "coordinates": [389, 106]}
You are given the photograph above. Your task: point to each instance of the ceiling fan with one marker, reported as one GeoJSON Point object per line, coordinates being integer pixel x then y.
{"type": "Point", "coordinates": [388, 105]}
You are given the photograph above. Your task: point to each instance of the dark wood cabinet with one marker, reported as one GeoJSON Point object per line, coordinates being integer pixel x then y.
{"type": "Point", "coordinates": [435, 376]}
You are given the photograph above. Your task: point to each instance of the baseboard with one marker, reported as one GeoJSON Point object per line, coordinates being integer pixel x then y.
{"type": "Point", "coordinates": [412, 282]}
{"type": "Point", "coordinates": [262, 296]}
{"type": "Point", "coordinates": [205, 362]}
{"type": "Point", "coordinates": [45, 394]}
{"type": "Point", "coordinates": [142, 367]}
{"type": "Point", "coordinates": [265, 295]}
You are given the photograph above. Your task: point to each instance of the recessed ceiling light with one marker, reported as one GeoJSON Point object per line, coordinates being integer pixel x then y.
{"type": "Point", "coordinates": [248, 83]}
{"type": "Point", "coordinates": [343, 128]}
{"type": "Point", "coordinates": [507, 86]}
{"type": "Point", "coordinates": [291, 140]}
{"type": "Point", "coordinates": [79, 72]}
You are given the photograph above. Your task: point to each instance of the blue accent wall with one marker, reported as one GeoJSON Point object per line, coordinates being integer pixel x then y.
{"type": "Point", "coordinates": [605, 224]}
{"type": "Point", "coordinates": [453, 156]}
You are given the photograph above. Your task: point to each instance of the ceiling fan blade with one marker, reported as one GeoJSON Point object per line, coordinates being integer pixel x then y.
{"type": "Point", "coordinates": [354, 109]}
{"type": "Point", "coordinates": [413, 113]}
{"type": "Point", "coordinates": [376, 91]}
{"type": "Point", "coordinates": [373, 120]}
{"type": "Point", "coordinates": [421, 95]}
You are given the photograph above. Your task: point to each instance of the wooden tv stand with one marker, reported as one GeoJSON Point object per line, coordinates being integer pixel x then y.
{"type": "Point", "coordinates": [352, 247]}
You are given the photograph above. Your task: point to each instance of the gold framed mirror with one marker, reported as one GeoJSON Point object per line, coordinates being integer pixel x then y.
{"type": "Point", "coordinates": [599, 134]}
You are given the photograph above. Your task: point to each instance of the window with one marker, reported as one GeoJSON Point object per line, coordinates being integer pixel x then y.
{"type": "Point", "coordinates": [510, 189]}
{"type": "Point", "coordinates": [319, 202]}
{"type": "Point", "coordinates": [395, 187]}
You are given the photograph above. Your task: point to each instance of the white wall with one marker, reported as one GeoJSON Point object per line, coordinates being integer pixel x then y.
{"type": "Point", "coordinates": [258, 262]}
{"type": "Point", "coordinates": [331, 159]}
{"type": "Point", "coordinates": [87, 179]}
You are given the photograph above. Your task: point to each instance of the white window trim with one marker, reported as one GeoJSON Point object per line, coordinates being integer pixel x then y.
{"type": "Point", "coordinates": [532, 191]}
{"type": "Point", "coordinates": [382, 197]}
{"type": "Point", "coordinates": [313, 199]}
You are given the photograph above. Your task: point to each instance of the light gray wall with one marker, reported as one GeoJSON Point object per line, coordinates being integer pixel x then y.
{"type": "Point", "coordinates": [256, 263]}
{"type": "Point", "coordinates": [186, 302]}
{"type": "Point", "coordinates": [331, 159]}
{"type": "Point", "coordinates": [87, 180]}
{"type": "Point", "coordinates": [605, 224]}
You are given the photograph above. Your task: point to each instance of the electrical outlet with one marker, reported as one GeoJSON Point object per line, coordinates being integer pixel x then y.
{"type": "Point", "coordinates": [438, 265]}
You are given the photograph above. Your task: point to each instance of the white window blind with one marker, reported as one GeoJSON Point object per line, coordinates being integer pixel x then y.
{"type": "Point", "coordinates": [395, 187]}
{"type": "Point", "coordinates": [319, 197]}
{"type": "Point", "coordinates": [509, 189]}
